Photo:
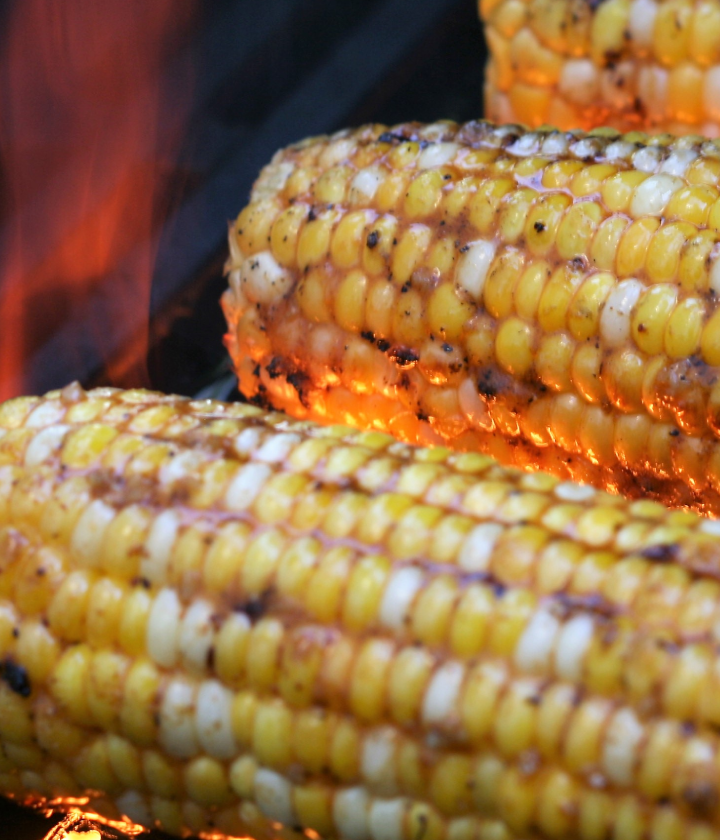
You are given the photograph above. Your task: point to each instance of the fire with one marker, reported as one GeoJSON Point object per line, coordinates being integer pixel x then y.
{"type": "Point", "coordinates": [92, 122]}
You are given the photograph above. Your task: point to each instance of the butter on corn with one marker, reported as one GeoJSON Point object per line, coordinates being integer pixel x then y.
{"type": "Point", "coordinates": [218, 620]}
{"type": "Point", "coordinates": [549, 298]}
{"type": "Point", "coordinates": [652, 65]}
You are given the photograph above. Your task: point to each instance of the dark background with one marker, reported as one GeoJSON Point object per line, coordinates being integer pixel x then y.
{"type": "Point", "coordinates": [268, 72]}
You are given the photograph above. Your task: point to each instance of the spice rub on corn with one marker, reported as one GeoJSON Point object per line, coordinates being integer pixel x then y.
{"type": "Point", "coordinates": [550, 298]}
{"type": "Point", "coordinates": [214, 619]}
{"type": "Point", "coordinates": [649, 64]}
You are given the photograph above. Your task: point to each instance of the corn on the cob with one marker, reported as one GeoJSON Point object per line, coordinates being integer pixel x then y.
{"type": "Point", "coordinates": [650, 64]}
{"type": "Point", "coordinates": [217, 620]}
{"type": "Point", "coordinates": [550, 298]}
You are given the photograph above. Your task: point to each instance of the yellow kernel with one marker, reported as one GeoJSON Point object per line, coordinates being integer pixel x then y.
{"type": "Point", "coordinates": [605, 244]}
{"type": "Point", "coordinates": [651, 315]}
{"type": "Point", "coordinates": [380, 307]}
{"type": "Point", "coordinates": [133, 623]}
{"type": "Point", "coordinates": [704, 34]}
{"type": "Point", "coordinates": [432, 611]}
{"type": "Point", "coordinates": [556, 297]}
{"type": "Point", "coordinates": [578, 228]}
{"type": "Point", "coordinates": [348, 238]}
{"type": "Point", "coordinates": [364, 592]}
{"type": "Point", "coordinates": [441, 257]}
{"type": "Point", "coordinates": [634, 245]}
{"type": "Point", "coordinates": [607, 34]}
{"type": "Point", "coordinates": [331, 186]}
{"type": "Point", "coordinates": [684, 328]}
{"type": "Point", "coordinates": [314, 239]}
{"type": "Point", "coordinates": [501, 280]}
{"type": "Point", "coordinates": [543, 221]}
{"type": "Point", "coordinates": [513, 213]}
{"type": "Point", "coordinates": [206, 782]}
{"type": "Point", "coordinates": [272, 730]}
{"type": "Point", "coordinates": [469, 623]}
{"type": "Point", "coordinates": [369, 679]}
{"type": "Point", "coordinates": [694, 261]}
{"type": "Point", "coordinates": [618, 190]}
{"type": "Point", "coordinates": [584, 310]}
{"type": "Point", "coordinates": [514, 347]}
{"type": "Point", "coordinates": [262, 653]}
{"type": "Point", "coordinates": [447, 314]}
{"type": "Point", "coordinates": [83, 446]}
{"type": "Point", "coordinates": [663, 254]}
{"type": "Point", "coordinates": [253, 225]}
{"type": "Point", "coordinates": [529, 288]}
{"type": "Point", "coordinates": [671, 31]}
{"type": "Point", "coordinates": [345, 751]}
{"type": "Point", "coordinates": [408, 319]}
{"type": "Point", "coordinates": [311, 295]}
{"type": "Point", "coordinates": [623, 374]}
{"type": "Point", "coordinates": [530, 104]}
{"type": "Point", "coordinates": [311, 738]}
{"type": "Point", "coordinates": [390, 192]}
{"type": "Point", "coordinates": [585, 372]}
{"type": "Point", "coordinates": [409, 252]}
{"type": "Point", "coordinates": [323, 598]}
{"type": "Point", "coordinates": [379, 246]}
{"type": "Point", "coordinates": [404, 154]}
{"type": "Point", "coordinates": [710, 340]}
{"type": "Point", "coordinates": [424, 193]}
{"type": "Point", "coordinates": [409, 674]}
{"type": "Point", "coordinates": [692, 204]}
{"type": "Point", "coordinates": [284, 234]}
{"type": "Point", "coordinates": [685, 93]}
{"type": "Point", "coordinates": [554, 357]}
{"type": "Point", "coordinates": [313, 807]}
{"type": "Point", "coordinates": [485, 205]}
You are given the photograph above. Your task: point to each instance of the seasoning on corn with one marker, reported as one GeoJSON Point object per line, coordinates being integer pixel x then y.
{"type": "Point", "coordinates": [214, 619]}
{"type": "Point", "coordinates": [648, 64]}
{"type": "Point", "coordinates": [549, 298]}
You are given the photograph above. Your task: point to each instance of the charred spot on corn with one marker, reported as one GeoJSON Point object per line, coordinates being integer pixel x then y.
{"type": "Point", "coordinates": [15, 676]}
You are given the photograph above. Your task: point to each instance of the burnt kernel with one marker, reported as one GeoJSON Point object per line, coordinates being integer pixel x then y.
{"type": "Point", "coordinates": [539, 226]}
{"type": "Point", "coordinates": [368, 335]}
{"type": "Point", "coordinates": [661, 553]}
{"type": "Point", "coordinates": [16, 677]}
{"type": "Point", "coordinates": [403, 357]}
{"type": "Point", "coordinates": [255, 608]}
{"type": "Point", "coordinates": [383, 345]}
{"type": "Point", "coordinates": [373, 238]}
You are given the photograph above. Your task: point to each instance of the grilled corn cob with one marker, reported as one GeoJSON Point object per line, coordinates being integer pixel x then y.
{"type": "Point", "coordinates": [625, 63]}
{"type": "Point", "coordinates": [550, 298]}
{"type": "Point", "coordinates": [214, 619]}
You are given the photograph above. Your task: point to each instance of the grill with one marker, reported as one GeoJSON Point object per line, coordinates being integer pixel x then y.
{"type": "Point", "coordinates": [267, 73]}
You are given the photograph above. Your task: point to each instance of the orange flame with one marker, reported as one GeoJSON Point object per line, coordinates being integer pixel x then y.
{"type": "Point", "coordinates": [89, 131]}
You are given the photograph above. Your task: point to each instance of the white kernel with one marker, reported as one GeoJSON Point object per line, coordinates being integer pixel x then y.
{"type": "Point", "coordinates": [365, 184]}
{"type": "Point", "coordinates": [47, 413]}
{"type": "Point", "coordinates": [89, 532]}
{"type": "Point", "coordinates": [652, 91]}
{"type": "Point", "coordinates": [213, 720]}
{"type": "Point", "coordinates": [180, 466]}
{"type": "Point", "coordinates": [336, 152]}
{"type": "Point", "coordinates": [478, 547]}
{"type": "Point", "coordinates": [196, 636]}
{"type": "Point", "coordinates": [437, 154]}
{"type": "Point", "coordinates": [570, 491]}
{"type": "Point", "coordinates": [272, 179]}
{"type": "Point", "coordinates": [619, 150]}
{"type": "Point", "coordinates": [586, 148]}
{"type": "Point", "coordinates": [622, 737]}
{"type": "Point", "coordinates": [710, 526]}
{"type": "Point", "coordinates": [647, 159]}
{"type": "Point", "coordinates": [248, 441]}
{"type": "Point", "coordinates": [678, 161]}
{"type": "Point", "coordinates": [641, 21]}
{"type": "Point", "coordinates": [158, 545]}
{"type": "Point", "coordinates": [400, 592]}
{"type": "Point", "coordinates": [277, 448]}
{"type": "Point", "coordinates": [579, 81]}
{"type": "Point", "coordinates": [244, 488]}
{"type": "Point", "coordinates": [177, 719]}
{"type": "Point", "coordinates": [473, 407]}
{"type": "Point", "coordinates": [473, 266]}
{"type": "Point", "coordinates": [555, 143]}
{"type": "Point", "coordinates": [350, 813]}
{"type": "Point", "coordinates": [527, 144]}
{"type": "Point", "coordinates": [273, 794]}
{"type": "Point", "coordinates": [441, 695]}
{"type": "Point", "coordinates": [162, 634]}
{"type": "Point", "coordinates": [132, 806]}
{"type": "Point", "coordinates": [44, 444]}
{"type": "Point", "coordinates": [387, 818]}
{"type": "Point", "coordinates": [377, 760]}
{"type": "Point", "coordinates": [263, 279]}
{"type": "Point", "coordinates": [572, 645]}
{"type": "Point", "coordinates": [616, 313]}
{"type": "Point", "coordinates": [537, 642]}
{"type": "Point", "coordinates": [653, 195]}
